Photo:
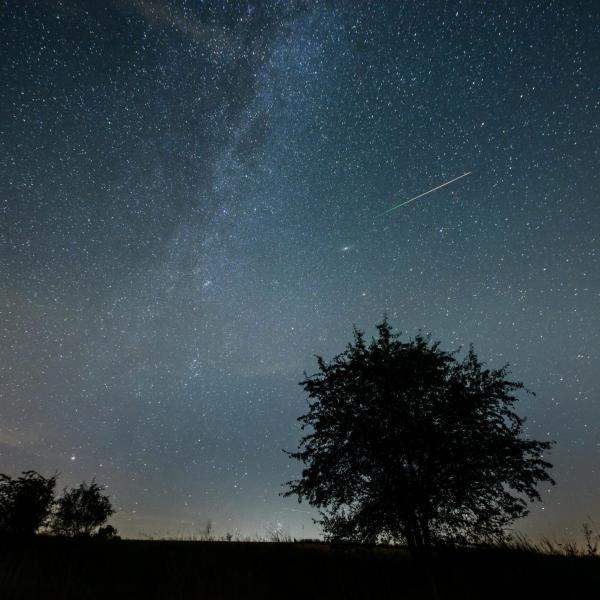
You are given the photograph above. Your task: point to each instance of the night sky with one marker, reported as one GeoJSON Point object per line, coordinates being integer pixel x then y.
{"type": "Point", "coordinates": [190, 210]}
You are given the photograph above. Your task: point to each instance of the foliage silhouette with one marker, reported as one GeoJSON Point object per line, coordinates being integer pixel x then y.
{"type": "Point", "coordinates": [409, 444]}
{"type": "Point", "coordinates": [25, 503]}
{"type": "Point", "coordinates": [108, 532]}
{"type": "Point", "coordinates": [81, 510]}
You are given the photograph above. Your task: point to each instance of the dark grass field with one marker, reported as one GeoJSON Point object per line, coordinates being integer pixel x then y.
{"type": "Point", "coordinates": [49, 568]}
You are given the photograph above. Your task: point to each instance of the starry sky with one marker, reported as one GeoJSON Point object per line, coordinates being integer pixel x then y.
{"type": "Point", "coordinates": [190, 210]}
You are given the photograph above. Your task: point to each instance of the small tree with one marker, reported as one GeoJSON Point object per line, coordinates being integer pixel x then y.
{"type": "Point", "coordinates": [25, 503]}
{"type": "Point", "coordinates": [409, 444]}
{"type": "Point", "coordinates": [108, 532]}
{"type": "Point", "coordinates": [81, 510]}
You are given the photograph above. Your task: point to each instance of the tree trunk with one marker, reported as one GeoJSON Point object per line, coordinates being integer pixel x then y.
{"type": "Point", "coordinates": [425, 532]}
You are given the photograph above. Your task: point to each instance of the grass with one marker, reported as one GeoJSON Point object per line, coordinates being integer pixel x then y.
{"type": "Point", "coordinates": [48, 568]}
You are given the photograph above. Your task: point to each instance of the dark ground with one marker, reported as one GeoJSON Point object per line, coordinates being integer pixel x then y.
{"type": "Point", "coordinates": [48, 568]}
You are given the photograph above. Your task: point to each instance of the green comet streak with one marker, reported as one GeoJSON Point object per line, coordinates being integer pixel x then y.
{"type": "Point", "coordinates": [389, 210]}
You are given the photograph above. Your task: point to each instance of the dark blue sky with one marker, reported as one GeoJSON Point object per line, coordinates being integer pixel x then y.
{"type": "Point", "coordinates": [189, 207]}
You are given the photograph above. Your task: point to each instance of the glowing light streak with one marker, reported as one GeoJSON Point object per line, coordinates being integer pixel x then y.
{"type": "Point", "coordinates": [424, 194]}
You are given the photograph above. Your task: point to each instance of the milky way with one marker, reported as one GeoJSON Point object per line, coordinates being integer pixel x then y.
{"type": "Point", "coordinates": [187, 217]}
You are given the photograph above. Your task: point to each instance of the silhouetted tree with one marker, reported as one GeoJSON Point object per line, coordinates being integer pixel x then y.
{"type": "Point", "coordinates": [25, 503]}
{"type": "Point", "coordinates": [108, 532]}
{"type": "Point", "coordinates": [81, 510]}
{"type": "Point", "coordinates": [407, 443]}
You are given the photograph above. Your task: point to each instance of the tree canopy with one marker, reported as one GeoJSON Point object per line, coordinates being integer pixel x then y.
{"type": "Point", "coordinates": [81, 510]}
{"type": "Point", "coordinates": [408, 443]}
{"type": "Point", "coordinates": [25, 502]}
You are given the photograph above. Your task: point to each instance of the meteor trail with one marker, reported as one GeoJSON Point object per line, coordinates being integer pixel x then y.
{"type": "Point", "coordinates": [424, 194]}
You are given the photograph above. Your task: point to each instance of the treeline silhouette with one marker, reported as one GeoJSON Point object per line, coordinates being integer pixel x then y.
{"type": "Point", "coordinates": [28, 504]}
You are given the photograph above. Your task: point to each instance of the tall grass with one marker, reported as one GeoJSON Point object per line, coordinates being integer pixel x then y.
{"type": "Point", "coordinates": [587, 546]}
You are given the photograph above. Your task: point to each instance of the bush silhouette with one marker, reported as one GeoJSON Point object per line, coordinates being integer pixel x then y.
{"type": "Point", "coordinates": [81, 510]}
{"type": "Point", "coordinates": [25, 503]}
{"type": "Point", "coordinates": [108, 532]}
{"type": "Point", "coordinates": [409, 444]}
